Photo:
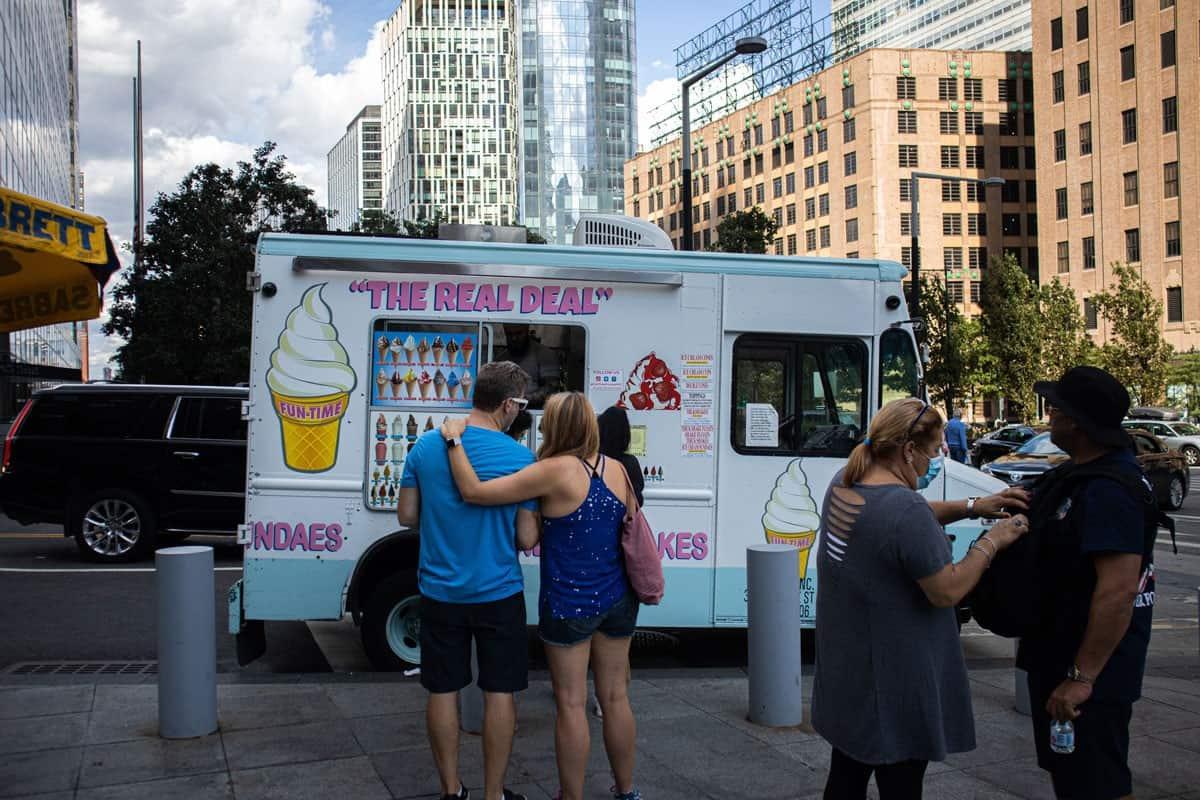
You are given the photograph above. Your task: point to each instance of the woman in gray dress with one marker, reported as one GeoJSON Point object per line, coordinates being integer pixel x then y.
{"type": "Point", "coordinates": [891, 692]}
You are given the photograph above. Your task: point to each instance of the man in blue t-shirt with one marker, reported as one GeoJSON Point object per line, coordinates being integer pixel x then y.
{"type": "Point", "coordinates": [1086, 662]}
{"type": "Point", "coordinates": [470, 580]}
{"type": "Point", "coordinates": [956, 437]}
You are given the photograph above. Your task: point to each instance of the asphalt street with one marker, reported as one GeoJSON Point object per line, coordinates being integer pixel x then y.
{"type": "Point", "coordinates": [59, 608]}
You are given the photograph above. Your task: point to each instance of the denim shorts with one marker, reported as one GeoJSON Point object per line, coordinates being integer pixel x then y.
{"type": "Point", "coordinates": [618, 622]}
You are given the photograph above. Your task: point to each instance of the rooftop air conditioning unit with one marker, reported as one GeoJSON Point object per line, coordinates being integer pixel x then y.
{"type": "Point", "coordinates": [617, 230]}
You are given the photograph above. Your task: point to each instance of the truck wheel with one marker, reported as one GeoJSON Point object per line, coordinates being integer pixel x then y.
{"type": "Point", "coordinates": [113, 526]}
{"type": "Point", "coordinates": [391, 628]}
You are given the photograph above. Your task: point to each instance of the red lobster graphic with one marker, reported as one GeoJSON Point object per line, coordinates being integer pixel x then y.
{"type": "Point", "coordinates": [651, 386]}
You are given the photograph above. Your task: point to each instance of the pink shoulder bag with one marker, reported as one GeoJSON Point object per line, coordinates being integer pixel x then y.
{"type": "Point", "coordinates": [642, 564]}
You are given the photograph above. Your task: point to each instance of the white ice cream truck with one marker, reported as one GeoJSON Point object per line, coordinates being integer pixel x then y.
{"type": "Point", "coordinates": [747, 380]}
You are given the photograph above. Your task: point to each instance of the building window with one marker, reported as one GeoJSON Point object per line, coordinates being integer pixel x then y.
{"type": "Point", "coordinates": [1089, 314]}
{"type": "Point", "coordinates": [1175, 304]}
{"type": "Point", "coordinates": [707, 210]}
{"type": "Point", "coordinates": [1031, 191]}
{"type": "Point", "coordinates": [790, 183]}
{"type": "Point", "coordinates": [822, 106]}
{"type": "Point", "coordinates": [822, 140]}
{"type": "Point", "coordinates": [1008, 123]}
{"type": "Point", "coordinates": [1010, 192]}
{"type": "Point", "coordinates": [1174, 248]}
{"type": "Point", "coordinates": [1056, 37]}
{"type": "Point", "coordinates": [975, 157]}
{"type": "Point", "coordinates": [906, 88]}
{"type": "Point", "coordinates": [1085, 138]}
{"type": "Point", "coordinates": [952, 224]}
{"type": "Point", "coordinates": [1129, 125]}
{"type": "Point", "coordinates": [905, 223]}
{"type": "Point", "coordinates": [850, 165]}
{"type": "Point", "coordinates": [721, 206]}
{"type": "Point", "coordinates": [1058, 86]}
{"type": "Point", "coordinates": [777, 188]}
{"type": "Point", "coordinates": [975, 193]}
{"type": "Point", "coordinates": [810, 179]}
{"type": "Point", "coordinates": [1064, 257]}
{"type": "Point", "coordinates": [977, 224]}
{"type": "Point", "coordinates": [849, 132]}
{"type": "Point", "coordinates": [1126, 11]}
{"type": "Point", "coordinates": [1166, 43]}
{"type": "Point", "coordinates": [1133, 245]}
{"type": "Point", "coordinates": [1170, 115]}
{"type": "Point", "coordinates": [951, 258]}
{"type": "Point", "coordinates": [823, 205]}
{"type": "Point", "coordinates": [808, 145]}
{"type": "Point", "coordinates": [787, 122]}
{"type": "Point", "coordinates": [948, 122]}
{"type": "Point", "coordinates": [1130, 180]}
{"type": "Point", "coordinates": [1171, 179]}
{"type": "Point", "coordinates": [1060, 203]}
{"type": "Point", "coordinates": [1010, 158]}
{"type": "Point", "coordinates": [907, 155]}
{"type": "Point", "coordinates": [810, 240]}
{"type": "Point", "coordinates": [824, 236]}
{"type": "Point", "coordinates": [1060, 145]}
{"type": "Point", "coordinates": [973, 89]}
{"type": "Point", "coordinates": [852, 230]}
{"type": "Point", "coordinates": [973, 122]}
{"type": "Point", "coordinates": [777, 216]}
{"type": "Point", "coordinates": [1010, 224]}
{"type": "Point", "coordinates": [1085, 198]}
{"type": "Point", "coordinates": [808, 114]}
{"type": "Point", "coordinates": [905, 196]}
{"type": "Point", "coordinates": [947, 89]}
{"type": "Point", "coordinates": [906, 260]}
{"type": "Point", "coordinates": [950, 157]}
{"type": "Point", "coordinates": [758, 134]}
{"type": "Point", "coordinates": [637, 208]}
{"type": "Point", "coordinates": [851, 196]}
{"type": "Point", "coordinates": [791, 214]}
{"type": "Point", "coordinates": [810, 208]}
{"type": "Point", "coordinates": [823, 172]}
{"type": "Point", "coordinates": [791, 244]}
{"type": "Point", "coordinates": [1089, 252]}
{"type": "Point", "coordinates": [1085, 77]}
{"type": "Point", "coordinates": [1081, 23]}
{"type": "Point", "coordinates": [749, 197]}
{"type": "Point", "coordinates": [848, 96]}
{"type": "Point", "coordinates": [907, 122]}
{"type": "Point", "coordinates": [1031, 224]}
{"type": "Point", "coordinates": [760, 193]}
{"type": "Point", "coordinates": [977, 257]}
{"type": "Point", "coordinates": [779, 246]}
{"type": "Point", "coordinates": [1128, 63]}
{"type": "Point", "coordinates": [951, 191]}
{"type": "Point", "coordinates": [1006, 89]}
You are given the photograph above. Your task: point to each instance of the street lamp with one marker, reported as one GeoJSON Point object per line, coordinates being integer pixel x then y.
{"type": "Point", "coordinates": [914, 225]}
{"type": "Point", "coordinates": [750, 45]}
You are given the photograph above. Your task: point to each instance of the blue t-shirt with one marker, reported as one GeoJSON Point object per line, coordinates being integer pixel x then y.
{"type": "Point", "coordinates": [468, 552]}
{"type": "Point", "coordinates": [956, 434]}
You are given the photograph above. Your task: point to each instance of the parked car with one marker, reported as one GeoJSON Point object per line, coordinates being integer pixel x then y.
{"type": "Point", "coordinates": [1167, 469]}
{"type": "Point", "coordinates": [1183, 436]}
{"type": "Point", "coordinates": [123, 466]}
{"type": "Point", "coordinates": [1000, 442]}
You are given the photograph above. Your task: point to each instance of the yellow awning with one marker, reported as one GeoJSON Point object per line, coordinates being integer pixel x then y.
{"type": "Point", "coordinates": [54, 261]}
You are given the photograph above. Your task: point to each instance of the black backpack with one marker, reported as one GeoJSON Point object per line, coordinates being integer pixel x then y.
{"type": "Point", "coordinates": [1011, 595]}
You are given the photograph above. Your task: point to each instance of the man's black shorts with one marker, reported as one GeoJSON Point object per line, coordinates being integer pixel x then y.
{"type": "Point", "coordinates": [500, 638]}
{"type": "Point", "coordinates": [1099, 767]}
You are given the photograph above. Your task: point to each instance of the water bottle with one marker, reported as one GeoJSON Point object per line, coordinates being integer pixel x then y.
{"type": "Point", "coordinates": [1062, 737]}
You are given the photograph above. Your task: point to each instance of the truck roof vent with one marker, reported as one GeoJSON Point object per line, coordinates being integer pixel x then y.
{"type": "Point", "coordinates": [617, 230]}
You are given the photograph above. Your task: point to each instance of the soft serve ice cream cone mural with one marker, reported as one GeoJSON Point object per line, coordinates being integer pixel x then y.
{"type": "Point", "coordinates": [310, 379]}
{"type": "Point", "coordinates": [791, 516]}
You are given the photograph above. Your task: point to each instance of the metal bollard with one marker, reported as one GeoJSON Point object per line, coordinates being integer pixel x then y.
{"type": "Point", "coordinates": [773, 635]}
{"type": "Point", "coordinates": [470, 700]}
{"type": "Point", "coordinates": [187, 642]}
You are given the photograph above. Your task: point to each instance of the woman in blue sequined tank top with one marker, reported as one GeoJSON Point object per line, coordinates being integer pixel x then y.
{"type": "Point", "coordinates": [587, 610]}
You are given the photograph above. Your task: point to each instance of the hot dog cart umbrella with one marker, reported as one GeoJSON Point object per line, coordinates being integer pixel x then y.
{"type": "Point", "coordinates": [54, 262]}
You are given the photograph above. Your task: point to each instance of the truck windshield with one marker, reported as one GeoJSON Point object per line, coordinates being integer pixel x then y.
{"type": "Point", "coordinates": [898, 372]}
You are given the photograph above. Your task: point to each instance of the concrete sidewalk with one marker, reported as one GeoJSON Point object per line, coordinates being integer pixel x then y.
{"type": "Point", "coordinates": [338, 737]}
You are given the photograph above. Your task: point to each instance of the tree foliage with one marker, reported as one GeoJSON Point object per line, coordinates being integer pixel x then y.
{"type": "Point", "coordinates": [1136, 353]}
{"type": "Point", "coordinates": [183, 309]}
{"type": "Point", "coordinates": [943, 333]}
{"type": "Point", "coordinates": [1183, 376]}
{"type": "Point", "coordinates": [1011, 324]}
{"type": "Point", "coordinates": [1065, 342]}
{"type": "Point", "coordinates": [748, 231]}
{"type": "Point", "coordinates": [378, 222]}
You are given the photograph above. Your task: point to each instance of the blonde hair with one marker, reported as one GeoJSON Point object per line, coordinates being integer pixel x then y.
{"type": "Point", "coordinates": [569, 427]}
{"type": "Point", "coordinates": [900, 421]}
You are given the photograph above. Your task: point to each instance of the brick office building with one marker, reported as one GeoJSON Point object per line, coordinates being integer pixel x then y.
{"type": "Point", "coordinates": [831, 157]}
{"type": "Point", "coordinates": [1119, 150]}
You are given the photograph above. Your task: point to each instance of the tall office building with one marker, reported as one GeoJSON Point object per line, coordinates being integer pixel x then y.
{"type": "Point", "coordinates": [38, 156]}
{"type": "Point", "coordinates": [355, 170]}
{"type": "Point", "coordinates": [452, 110]}
{"type": "Point", "coordinates": [831, 160]}
{"type": "Point", "coordinates": [580, 109]}
{"type": "Point", "coordinates": [941, 24]}
{"type": "Point", "coordinates": [1119, 151]}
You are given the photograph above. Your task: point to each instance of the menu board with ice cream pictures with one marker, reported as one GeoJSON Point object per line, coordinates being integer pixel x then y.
{"type": "Point", "coordinates": [428, 366]}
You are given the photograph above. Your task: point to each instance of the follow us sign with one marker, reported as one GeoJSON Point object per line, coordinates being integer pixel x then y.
{"type": "Point", "coordinates": [607, 379]}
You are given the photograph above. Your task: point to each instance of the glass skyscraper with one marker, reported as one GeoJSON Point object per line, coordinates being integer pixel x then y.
{"type": "Point", "coordinates": [355, 171]}
{"type": "Point", "coordinates": [936, 25]}
{"type": "Point", "coordinates": [38, 155]}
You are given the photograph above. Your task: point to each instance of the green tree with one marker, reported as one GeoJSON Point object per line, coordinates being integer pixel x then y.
{"type": "Point", "coordinates": [1136, 353]}
{"type": "Point", "coordinates": [1183, 375]}
{"type": "Point", "coordinates": [748, 231]}
{"type": "Point", "coordinates": [1011, 323]}
{"type": "Point", "coordinates": [942, 332]}
{"type": "Point", "coordinates": [1065, 342]}
{"type": "Point", "coordinates": [377, 221]}
{"type": "Point", "coordinates": [533, 237]}
{"type": "Point", "coordinates": [425, 228]}
{"type": "Point", "coordinates": [979, 365]}
{"type": "Point", "coordinates": [183, 309]}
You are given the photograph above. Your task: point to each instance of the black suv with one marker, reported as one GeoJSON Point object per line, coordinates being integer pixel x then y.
{"type": "Point", "coordinates": [121, 466]}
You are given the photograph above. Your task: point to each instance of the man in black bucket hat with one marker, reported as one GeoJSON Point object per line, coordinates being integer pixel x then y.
{"type": "Point", "coordinates": [1085, 664]}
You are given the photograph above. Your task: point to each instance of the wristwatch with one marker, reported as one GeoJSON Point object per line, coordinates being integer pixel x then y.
{"type": "Point", "coordinates": [1073, 674]}
{"type": "Point", "coordinates": [454, 441]}
{"type": "Point", "coordinates": [971, 508]}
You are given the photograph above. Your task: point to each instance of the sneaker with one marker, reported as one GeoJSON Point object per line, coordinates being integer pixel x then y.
{"type": "Point", "coordinates": [630, 795]}
{"type": "Point", "coordinates": [463, 794]}
{"type": "Point", "coordinates": [509, 794]}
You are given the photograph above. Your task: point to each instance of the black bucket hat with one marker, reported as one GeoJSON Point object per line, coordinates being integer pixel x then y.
{"type": "Point", "coordinates": [1094, 399]}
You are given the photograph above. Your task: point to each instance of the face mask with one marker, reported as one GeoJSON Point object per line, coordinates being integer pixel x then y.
{"type": "Point", "coordinates": [935, 469]}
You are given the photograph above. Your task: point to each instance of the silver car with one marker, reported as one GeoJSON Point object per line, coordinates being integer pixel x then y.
{"type": "Point", "coordinates": [1181, 436]}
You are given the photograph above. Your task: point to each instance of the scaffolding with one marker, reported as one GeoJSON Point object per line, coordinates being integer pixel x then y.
{"type": "Point", "coordinates": [797, 47]}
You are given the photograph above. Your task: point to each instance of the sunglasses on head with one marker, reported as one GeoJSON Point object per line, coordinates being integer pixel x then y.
{"type": "Point", "coordinates": [521, 402]}
{"type": "Point", "coordinates": [908, 435]}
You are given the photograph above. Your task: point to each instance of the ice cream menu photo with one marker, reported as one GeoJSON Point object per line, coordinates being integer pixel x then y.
{"type": "Point", "coordinates": [409, 368]}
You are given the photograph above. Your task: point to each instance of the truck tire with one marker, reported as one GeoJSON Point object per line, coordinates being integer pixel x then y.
{"type": "Point", "coordinates": [391, 626]}
{"type": "Point", "coordinates": [113, 526]}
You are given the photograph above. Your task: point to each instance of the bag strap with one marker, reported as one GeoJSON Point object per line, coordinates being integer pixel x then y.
{"type": "Point", "coordinates": [631, 506]}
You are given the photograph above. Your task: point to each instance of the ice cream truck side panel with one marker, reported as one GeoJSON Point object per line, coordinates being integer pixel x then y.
{"type": "Point", "coordinates": [745, 378]}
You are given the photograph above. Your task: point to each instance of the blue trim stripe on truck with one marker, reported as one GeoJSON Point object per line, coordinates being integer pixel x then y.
{"type": "Point", "coordinates": [550, 256]}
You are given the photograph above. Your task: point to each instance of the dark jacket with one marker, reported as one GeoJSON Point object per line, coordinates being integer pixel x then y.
{"type": "Point", "coordinates": [614, 441]}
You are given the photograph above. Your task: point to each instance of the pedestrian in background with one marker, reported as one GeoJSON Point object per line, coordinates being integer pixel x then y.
{"type": "Point", "coordinates": [587, 610]}
{"type": "Point", "coordinates": [1086, 662]}
{"type": "Point", "coordinates": [891, 692]}
{"type": "Point", "coordinates": [615, 436]}
{"type": "Point", "coordinates": [956, 437]}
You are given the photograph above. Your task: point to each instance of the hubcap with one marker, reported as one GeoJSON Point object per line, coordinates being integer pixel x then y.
{"type": "Point", "coordinates": [1192, 455]}
{"type": "Point", "coordinates": [111, 527]}
{"type": "Point", "coordinates": [1176, 492]}
{"type": "Point", "coordinates": [403, 629]}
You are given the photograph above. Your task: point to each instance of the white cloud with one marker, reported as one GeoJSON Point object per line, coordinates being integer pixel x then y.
{"type": "Point", "coordinates": [656, 95]}
{"type": "Point", "coordinates": [221, 77]}
{"type": "Point", "coordinates": [658, 64]}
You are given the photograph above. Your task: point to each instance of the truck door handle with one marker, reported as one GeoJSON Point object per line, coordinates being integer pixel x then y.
{"type": "Point", "coordinates": [187, 454]}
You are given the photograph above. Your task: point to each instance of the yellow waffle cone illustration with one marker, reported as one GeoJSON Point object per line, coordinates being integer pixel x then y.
{"type": "Point", "coordinates": [803, 543]}
{"type": "Point", "coordinates": [790, 516]}
{"type": "Point", "coordinates": [310, 427]}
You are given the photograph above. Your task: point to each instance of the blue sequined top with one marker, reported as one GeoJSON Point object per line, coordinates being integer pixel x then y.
{"type": "Point", "coordinates": [583, 573]}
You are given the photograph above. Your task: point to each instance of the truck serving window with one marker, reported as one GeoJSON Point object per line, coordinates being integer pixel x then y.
{"type": "Point", "coordinates": [898, 374]}
{"type": "Point", "coordinates": [798, 395]}
{"type": "Point", "coordinates": [552, 356]}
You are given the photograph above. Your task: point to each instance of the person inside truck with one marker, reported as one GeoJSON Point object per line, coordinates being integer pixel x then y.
{"type": "Point", "coordinates": [541, 363]}
{"type": "Point", "coordinates": [586, 607]}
